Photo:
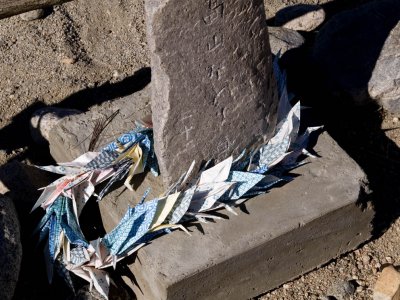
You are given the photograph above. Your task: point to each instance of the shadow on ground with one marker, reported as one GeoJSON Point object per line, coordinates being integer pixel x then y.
{"type": "Point", "coordinates": [357, 129]}
{"type": "Point", "coordinates": [33, 282]}
{"type": "Point", "coordinates": [81, 100]}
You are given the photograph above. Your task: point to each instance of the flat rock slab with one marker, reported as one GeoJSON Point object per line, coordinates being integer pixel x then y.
{"type": "Point", "coordinates": [349, 52]}
{"type": "Point", "coordinates": [284, 39]}
{"type": "Point", "coordinates": [213, 89]}
{"type": "Point", "coordinates": [285, 233]}
{"type": "Point", "coordinates": [71, 137]}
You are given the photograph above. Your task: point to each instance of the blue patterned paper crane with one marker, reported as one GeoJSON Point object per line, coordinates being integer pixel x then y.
{"type": "Point", "coordinates": [60, 217]}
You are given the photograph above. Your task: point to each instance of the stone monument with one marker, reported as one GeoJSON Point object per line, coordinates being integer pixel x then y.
{"type": "Point", "coordinates": [213, 88]}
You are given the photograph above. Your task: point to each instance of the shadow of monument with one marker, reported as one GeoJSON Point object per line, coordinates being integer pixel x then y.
{"type": "Point", "coordinates": [344, 64]}
{"type": "Point", "coordinates": [17, 134]}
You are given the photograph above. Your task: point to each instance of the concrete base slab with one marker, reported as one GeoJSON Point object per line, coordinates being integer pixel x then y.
{"type": "Point", "coordinates": [285, 233]}
{"type": "Point", "coordinates": [115, 204]}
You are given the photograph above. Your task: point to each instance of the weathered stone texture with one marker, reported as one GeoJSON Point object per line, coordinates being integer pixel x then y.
{"type": "Point", "coordinates": [213, 91]}
{"type": "Point", "coordinates": [10, 248]}
{"type": "Point", "coordinates": [348, 46]}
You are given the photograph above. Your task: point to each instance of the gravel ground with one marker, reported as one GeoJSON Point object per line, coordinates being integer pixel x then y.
{"type": "Point", "coordinates": [89, 51]}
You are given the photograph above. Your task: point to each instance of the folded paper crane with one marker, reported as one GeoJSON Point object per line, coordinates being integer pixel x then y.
{"type": "Point", "coordinates": [192, 197]}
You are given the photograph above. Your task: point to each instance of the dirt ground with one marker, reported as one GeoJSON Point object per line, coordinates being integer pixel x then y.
{"type": "Point", "coordinates": [87, 51]}
{"type": "Point", "coordinates": [69, 58]}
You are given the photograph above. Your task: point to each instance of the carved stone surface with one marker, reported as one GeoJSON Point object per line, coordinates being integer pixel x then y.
{"type": "Point", "coordinates": [213, 90]}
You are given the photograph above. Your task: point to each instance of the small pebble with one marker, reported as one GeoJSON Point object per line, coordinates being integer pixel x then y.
{"type": "Point", "coordinates": [68, 61]}
{"type": "Point", "coordinates": [116, 74]}
{"type": "Point", "coordinates": [366, 259]}
{"type": "Point", "coordinates": [360, 265]}
{"type": "Point", "coordinates": [360, 282]}
{"type": "Point", "coordinates": [395, 120]}
{"type": "Point", "coordinates": [389, 259]}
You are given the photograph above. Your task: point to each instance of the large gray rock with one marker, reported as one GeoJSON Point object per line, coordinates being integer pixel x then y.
{"type": "Point", "coordinates": [10, 248]}
{"type": "Point", "coordinates": [349, 45]}
{"type": "Point", "coordinates": [71, 137]}
{"type": "Point", "coordinates": [384, 84]}
{"type": "Point", "coordinates": [320, 215]}
{"type": "Point", "coordinates": [283, 39]}
{"type": "Point", "coordinates": [43, 120]}
{"type": "Point", "coordinates": [300, 17]}
{"type": "Point", "coordinates": [213, 88]}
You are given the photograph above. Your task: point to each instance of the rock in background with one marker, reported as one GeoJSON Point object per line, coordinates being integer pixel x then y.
{"type": "Point", "coordinates": [283, 39]}
{"type": "Point", "coordinates": [10, 248]}
{"type": "Point", "coordinates": [348, 47]}
{"type": "Point", "coordinates": [384, 84]}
